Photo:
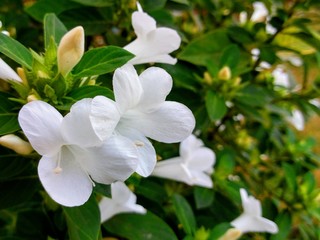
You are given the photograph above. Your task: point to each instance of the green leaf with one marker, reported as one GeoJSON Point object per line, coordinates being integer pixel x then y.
{"type": "Point", "coordinates": [290, 176]}
{"type": "Point", "coordinates": [19, 190]}
{"type": "Point", "coordinates": [96, 3]}
{"type": "Point", "coordinates": [203, 196]}
{"type": "Point", "coordinates": [215, 105]}
{"type": "Point", "coordinates": [90, 92]}
{"type": "Point", "coordinates": [83, 221]}
{"type": "Point", "coordinates": [101, 60]}
{"type": "Point", "coordinates": [8, 118]}
{"type": "Point", "coordinates": [284, 224]}
{"type": "Point", "coordinates": [15, 50]}
{"type": "Point", "coordinates": [218, 231]}
{"type": "Point", "coordinates": [151, 190]}
{"type": "Point", "coordinates": [205, 48]}
{"type": "Point", "coordinates": [40, 8]}
{"type": "Point", "coordinates": [152, 5]}
{"type": "Point", "coordinates": [230, 56]}
{"type": "Point", "coordinates": [11, 165]}
{"type": "Point", "coordinates": [53, 28]}
{"type": "Point", "coordinates": [184, 213]}
{"type": "Point", "coordinates": [226, 163]}
{"type": "Point", "coordinates": [138, 226]}
{"type": "Point", "coordinates": [253, 95]}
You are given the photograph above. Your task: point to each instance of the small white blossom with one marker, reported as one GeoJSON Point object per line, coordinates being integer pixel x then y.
{"type": "Point", "coordinates": [143, 112]}
{"type": "Point", "coordinates": [152, 44]}
{"type": "Point", "coordinates": [193, 167]}
{"type": "Point", "coordinates": [72, 155]}
{"type": "Point", "coordinates": [251, 220]}
{"type": "Point", "coordinates": [297, 119]}
{"type": "Point", "coordinates": [122, 201]}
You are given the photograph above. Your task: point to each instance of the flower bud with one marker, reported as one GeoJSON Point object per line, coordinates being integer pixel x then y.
{"type": "Point", "coordinates": [70, 50]}
{"type": "Point", "coordinates": [22, 75]}
{"type": "Point", "coordinates": [231, 234]}
{"type": "Point", "coordinates": [16, 144]}
{"type": "Point", "coordinates": [7, 73]}
{"type": "Point", "coordinates": [224, 73]}
{"type": "Point", "coordinates": [207, 78]}
{"type": "Point", "coordinates": [32, 97]}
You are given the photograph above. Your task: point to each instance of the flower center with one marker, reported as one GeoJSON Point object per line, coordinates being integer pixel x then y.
{"type": "Point", "coordinates": [139, 143]}
{"type": "Point", "coordinates": [58, 169]}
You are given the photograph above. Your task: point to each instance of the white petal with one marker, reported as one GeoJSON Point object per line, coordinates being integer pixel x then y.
{"type": "Point", "coordinates": [76, 126]}
{"type": "Point", "coordinates": [115, 160]}
{"type": "Point", "coordinates": [121, 193]}
{"type": "Point", "coordinates": [108, 208]}
{"type": "Point", "coordinates": [146, 152]}
{"type": "Point", "coordinates": [250, 204]}
{"type": "Point", "coordinates": [156, 84]}
{"type": "Point", "coordinates": [201, 179]}
{"type": "Point", "coordinates": [246, 223]}
{"type": "Point", "coordinates": [172, 169]}
{"type": "Point", "coordinates": [189, 145]}
{"type": "Point", "coordinates": [142, 23]}
{"type": "Point", "coordinates": [41, 124]}
{"type": "Point", "coordinates": [104, 116]}
{"type": "Point", "coordinates": [123, 200]}
{"type": "Point", "coordinates": [126, 87]}
{"type": "Point", "coordinates": [260, 12]}
{"type": "Point", "coordinates": [7, 73]}
{"type": "Point", "coordinates": [72, 186]}
{"type": "Point", "coordinates": [171, 122]}
{"type": "Point", "coordinates": [155, 47]}
{"type": "Point", "coordinates": [201, 159]}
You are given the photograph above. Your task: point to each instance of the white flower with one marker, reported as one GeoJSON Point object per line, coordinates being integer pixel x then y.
{"type": "Point", "coordinates": [7, 73]}
{"type": "Point", "coordinates": [144, 112]}
{"type": "Point", "coordinates": [122, 201]}
{"type": "Point", "coordinates": [152, 44]}
{"type": "Point", "coordinates": [72, 155]}
{"type": "Point", "coordinates": [297, 120]}
{"type": "Point", "coordinates": [281, 77]}
{"type": "Point", "coordinates": [193, 167]}
{"type": "Point", "coordinates": [260, 12]}
{"type": "Point", "coordinates": [251, 220]}
{"type": "Point", "coordinates": [70, 50]}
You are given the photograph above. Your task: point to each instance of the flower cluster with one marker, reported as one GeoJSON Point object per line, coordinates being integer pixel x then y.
{"type": "Point", "coordinates": [105, 140]}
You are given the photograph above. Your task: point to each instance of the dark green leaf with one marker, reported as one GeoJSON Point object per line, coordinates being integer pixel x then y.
{"type": "Point", "coordinates": [90, 92]}
{"type": "Point", "coordinates": [215, 105]}
{"type": "Point", "coordinates": [284, 224]}
{"type": "Point", "coordinates": [19, 190]}
{"type": "Point", "coordinates": [230, 56]}
{"type": "Point", "coordinates": [184, 213]}
{"type": "Point", "coordinates": [205, 48]}
{"type": "Point", "coordinates": [101, 60]}
{"type": "Point", "coordinates": [137, 227]}
{"type": "Point", "coordinates": [8, 118]}
{"type": "Point", "coordinates": [53, 28]}
{"type": "Point", "coordinates": [253, 95]}
{"type": "Point", "coordinates": [83, 221]}
{"type": "Point", "coordinates": [40, 8]}
{"type": "Point", "coordinates": [12, 165]}
{"type": "Point", "coordinates": [218, 231]}
{"type": "Point", "coordinates": [15, 50]}
{"type": "Point", "coordinates": [152, 191]}
{"type": "Point", "coordinates": [96, 3]}
{"type": "Point", "coordinates": [151, 5]}
{"type": "Point", "coordinates": [290, 176]}
{"type": "Point", "coordinates": [203, 197]}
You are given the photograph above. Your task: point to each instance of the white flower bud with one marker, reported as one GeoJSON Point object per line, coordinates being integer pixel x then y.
{"type": "Point", "coordinates": [70, 50]}
{"type": "Point", "coordinates": [16, 144]}
{"type": "Point", "coordinates": [231, 234]}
